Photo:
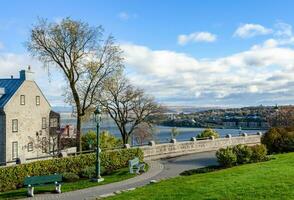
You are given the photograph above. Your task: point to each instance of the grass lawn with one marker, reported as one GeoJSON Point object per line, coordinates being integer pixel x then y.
{"type": "Point", "coordinates": [118, 175]}
{"type": "Point", "coordinates": [273, 179]}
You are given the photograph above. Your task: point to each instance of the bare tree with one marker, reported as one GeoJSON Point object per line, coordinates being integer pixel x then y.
{"type": "Point", "coordinates": [143, 133]}
{"type": "Point", "coordinates": [281, 117]}
{"type": "Point", "coordinates": [82, 54]}
{"type": "Point", "coordinates": [127, 105]}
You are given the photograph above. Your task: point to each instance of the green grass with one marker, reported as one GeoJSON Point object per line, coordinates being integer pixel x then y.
{"type": "Point", "coordinates": [273, 179]}
{"type": "Point", "coordinates": [118, 175]}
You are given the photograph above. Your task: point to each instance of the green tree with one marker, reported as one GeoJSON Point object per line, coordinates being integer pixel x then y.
{"type": "Point", "coordinates": [106, 140]}
{"type": "Point", "coordinates": [174, 132]}
{"type": "Point", "coordinates": [208, 133]}
{"type": "Point", "coordinates": [279, 140]}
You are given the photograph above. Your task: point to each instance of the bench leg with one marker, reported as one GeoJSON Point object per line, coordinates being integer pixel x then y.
{"type": "Point", "coordinates": [58, 188]}
{"type": "Point", "coordinates": [131, 170]}
{"type": "Point", "coordinates": [138, 170]}
{"type": "Point", "coordinates": [143, 167]}
{"type": "Point", "coordinates": [30, 191]}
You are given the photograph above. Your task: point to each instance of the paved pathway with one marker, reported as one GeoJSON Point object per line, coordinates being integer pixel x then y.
{"type": "Point", "coordinates": [161, 169]}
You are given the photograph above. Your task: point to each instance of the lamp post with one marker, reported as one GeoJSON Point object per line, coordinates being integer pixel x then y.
{"type": "Point", "coordinates": [97, 114]}
{"type": "Point", "coordinates": [276, 112]}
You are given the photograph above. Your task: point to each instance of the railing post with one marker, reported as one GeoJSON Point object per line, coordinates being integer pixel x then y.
{"type": "Point", "coordinates": [229, 136]}
{"type": "Point", "coordinates": [151, 143]}
{"type": "Point", "coordinates": [259, 133]}
{"type": "Point", "coordinates": [173, 141]}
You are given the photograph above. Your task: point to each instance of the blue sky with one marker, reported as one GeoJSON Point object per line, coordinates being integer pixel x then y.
{"type": "Point", "coordinates": [196, 53]}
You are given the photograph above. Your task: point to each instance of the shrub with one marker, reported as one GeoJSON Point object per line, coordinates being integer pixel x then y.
{"type": "Point", "coordinates": [70, 177]}
{"type": "Point", "coordinates": [208, 133]}
{"type": "Point", "coordinates": [226, 157]}
{"type": "Point", "coordinates": [88, 172]}
{"type": "Point", "coordinates": [12, 177]}
{"type": "Point", "coordinates": [279, 140]}
{"type": "Point", "coordinates": [259, 153]}
{"type": "Point", "coordinates": [243, 153]}
{"type": "Point", "coordinates": [106, 140]}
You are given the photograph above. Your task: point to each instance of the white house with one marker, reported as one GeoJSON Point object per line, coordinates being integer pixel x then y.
{"type": "Point", "coordinates": [24, 119]}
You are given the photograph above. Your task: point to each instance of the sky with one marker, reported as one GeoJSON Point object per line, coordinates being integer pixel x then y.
{"type": "Point", "coordinates": [184, 53]}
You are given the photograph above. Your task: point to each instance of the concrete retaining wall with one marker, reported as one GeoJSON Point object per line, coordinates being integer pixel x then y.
{"type": "Point", "coordinates": [157, 151]}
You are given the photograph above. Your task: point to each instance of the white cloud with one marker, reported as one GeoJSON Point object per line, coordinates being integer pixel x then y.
{"type": "Point", "coordinates": [251, 30]}
{"type": "Point", "coordinates": [178, 77]}
{"type": "Point", "coordinates": [11, 64]}
{"type": "Point", "coordinates": [126, 16]}
{"type": "Point", "coordinates": [196, 37]}
{"type": "Point", "coordinates": [283, 29]}
{"type": "Point", "coordinates": [253, 88]}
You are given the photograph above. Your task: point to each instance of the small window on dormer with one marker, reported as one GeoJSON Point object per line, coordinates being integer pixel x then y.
{"type": "Point", "coordinates": [22, 99]}
{"type": "Point", "coordinates": [37, 100]}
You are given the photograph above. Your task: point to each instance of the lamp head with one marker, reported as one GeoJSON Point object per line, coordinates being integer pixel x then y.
{"type": "Point", "coordinates": [97, 114]}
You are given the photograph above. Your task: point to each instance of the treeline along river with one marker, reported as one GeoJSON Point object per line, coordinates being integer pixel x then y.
{"type": "Point", "coordinates": [161, 134]}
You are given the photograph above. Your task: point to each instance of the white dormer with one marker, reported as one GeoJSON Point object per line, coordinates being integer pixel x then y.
{"type": "Point", "coordinates": [2, 92]}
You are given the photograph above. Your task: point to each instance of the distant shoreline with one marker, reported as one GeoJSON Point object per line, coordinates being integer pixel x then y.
{"type": "Point", "coordinates": [215, 127]}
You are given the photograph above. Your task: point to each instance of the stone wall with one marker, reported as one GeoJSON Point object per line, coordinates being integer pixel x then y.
{"type": "Point", "coordinates": [2, 138]}
{"type": "Point", "coordinates": [29, 118]}
{"type": "Point", "coordinates": [157, 151]}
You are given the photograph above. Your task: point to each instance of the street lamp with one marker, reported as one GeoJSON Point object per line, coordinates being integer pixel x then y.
{"type": "Point", "coordinates": [276, 112]}
{"type": "Point", "coordinates": [97, 114]}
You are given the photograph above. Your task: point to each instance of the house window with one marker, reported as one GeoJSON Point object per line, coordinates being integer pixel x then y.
{"type": "Point", "coordinates": [44, 124]}
{"type": "Point", "coordinates": [22, 100]}
{"type": "Point", "coordinates": [53, 122]}
{"type": "Point", "coordinates": [44, 144]}
{"type": "Point", "coordinates": [14, 150]}
{"type": "Point", "coordinates": [30, 146]}
{"type": "Point", "coordinates": [37, 100]}
{"type": "Point", "coordinates": [14, 125]}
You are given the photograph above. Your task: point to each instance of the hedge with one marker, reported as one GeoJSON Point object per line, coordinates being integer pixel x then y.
{"type": "Point", "coordinates": [12, 177]}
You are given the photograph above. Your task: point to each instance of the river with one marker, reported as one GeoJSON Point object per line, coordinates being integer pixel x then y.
{"type": "Point", "coordinates": [161, 133]}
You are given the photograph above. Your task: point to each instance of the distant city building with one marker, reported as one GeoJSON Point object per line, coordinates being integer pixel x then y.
{"type": "Point", "coordinates": [25, 119]}
{"type": "Point", "coordinates": [68, 131]}
{"type": "Point", "coordinates": [250, 121]}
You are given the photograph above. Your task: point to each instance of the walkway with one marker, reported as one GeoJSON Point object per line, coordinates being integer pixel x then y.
{"type": "Point", "coordinates": [161, 169]}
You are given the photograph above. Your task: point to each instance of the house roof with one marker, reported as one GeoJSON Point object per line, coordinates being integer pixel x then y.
{"type": "Point", "coordinates": [11, 86]}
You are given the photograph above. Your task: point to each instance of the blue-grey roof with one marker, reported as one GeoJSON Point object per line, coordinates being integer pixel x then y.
{"type": "Point", "coordinates": [11, 86]}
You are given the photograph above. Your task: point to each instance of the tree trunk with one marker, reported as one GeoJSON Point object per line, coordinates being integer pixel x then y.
{"type": "Point", "coordinates": [125, 138]}
{"type": "Point", "coordinates": [79, 144]}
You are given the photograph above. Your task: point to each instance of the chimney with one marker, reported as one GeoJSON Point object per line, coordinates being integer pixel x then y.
{"type": "Point", "coordinates": [26, 75]}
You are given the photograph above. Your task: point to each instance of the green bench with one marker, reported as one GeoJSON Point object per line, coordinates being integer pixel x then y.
{"type": "Point", "coordinates": [135, 164]}
{"type": "Point", "coordinates": [32, 181]}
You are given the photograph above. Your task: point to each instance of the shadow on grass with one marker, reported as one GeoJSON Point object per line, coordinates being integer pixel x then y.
{"type": "Point", "coordinates": [202, 170]}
